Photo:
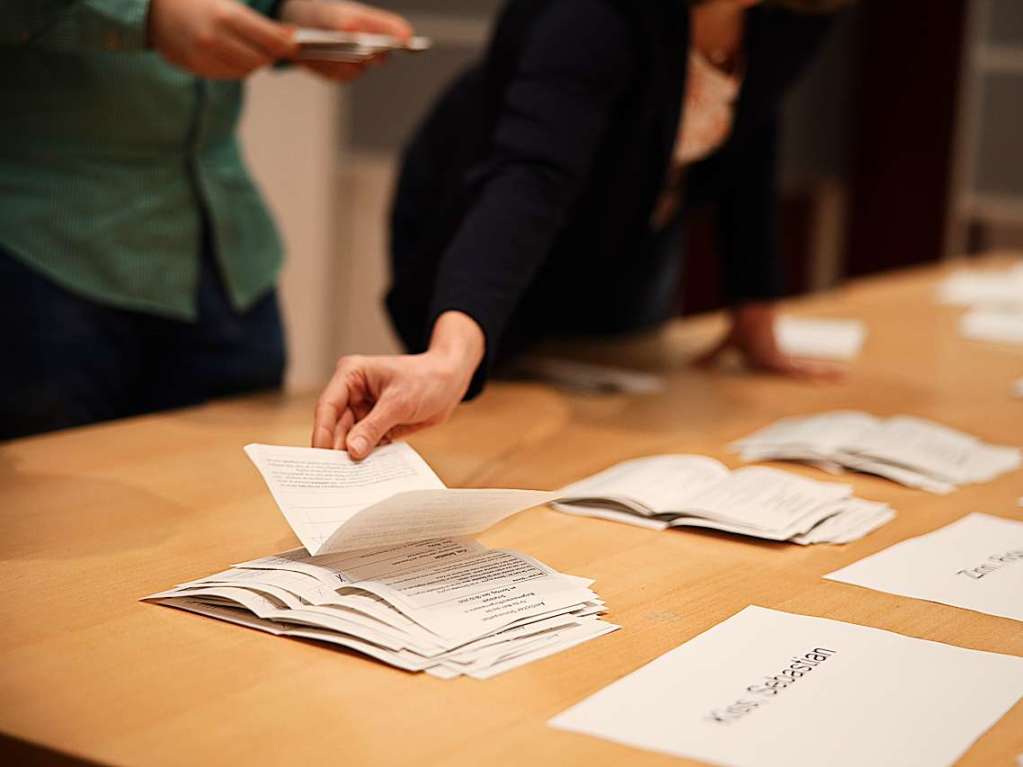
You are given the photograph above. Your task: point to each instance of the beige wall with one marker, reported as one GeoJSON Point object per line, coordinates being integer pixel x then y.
{"type": "Point", "coordinates": [290, 133]}
{"type": "Point", "coordinates": [330, 207]}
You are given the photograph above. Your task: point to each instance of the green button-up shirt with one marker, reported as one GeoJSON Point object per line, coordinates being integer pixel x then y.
{"type": "Point", "coordinates": [110, 158]}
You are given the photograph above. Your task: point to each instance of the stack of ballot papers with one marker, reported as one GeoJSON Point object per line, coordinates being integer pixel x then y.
{"type": "Point", "coordinates": [773, 689]}
{"type": "Point", "coordinates": [820, 338]}
{"type": "Point", "coordinates": [912, 451]}
{"type": "Point", "coordinates": [665, 491]}
{"type": "Point", "coordinates": [448, 606]}
{"type": "Point", "coordinates": [387, 570]}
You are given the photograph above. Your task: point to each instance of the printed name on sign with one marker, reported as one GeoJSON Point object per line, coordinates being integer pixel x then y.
{"type": "Point", "coordinates": [995, 562]}
{"type": "Point", "coordinates": [763, 692]}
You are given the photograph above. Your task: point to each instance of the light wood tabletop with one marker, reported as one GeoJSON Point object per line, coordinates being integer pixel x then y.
{"type": "Point", "coordinates": [95, 518]}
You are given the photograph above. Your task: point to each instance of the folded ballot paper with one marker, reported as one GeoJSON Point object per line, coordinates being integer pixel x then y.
{"type": "Point", "coordinates": [387, 570]}
{"type": "Point", "coordinates": [909, 450]}
{"type": "Point", "coordinates": [665, 491]}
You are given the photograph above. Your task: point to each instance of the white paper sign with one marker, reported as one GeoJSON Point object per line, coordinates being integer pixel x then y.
{"type": "Point", "coordinates": [773, 689]}
{"type": "Point", "coordinates": [996, 325]}
{"type": "Point", "coordinates": [976, 563]}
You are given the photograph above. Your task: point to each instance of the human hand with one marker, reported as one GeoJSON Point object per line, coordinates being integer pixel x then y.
{"type": "Point", "coordinates": [342, 16]}
{"type": "Point", "coordinates": [218, 39]}
{"type": "Point", "coordinates": [371, 399]}
{"type": "Point", "coordinates": [752, 335]}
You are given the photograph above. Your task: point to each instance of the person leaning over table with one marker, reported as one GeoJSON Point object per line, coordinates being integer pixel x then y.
{"type": "Point", "coordinates": [138, 261]}
{"type": "Point", "coordinates": [546, 193]}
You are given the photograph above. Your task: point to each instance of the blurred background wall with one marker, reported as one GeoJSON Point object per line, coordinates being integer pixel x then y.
{"type": "Point", "coordinates": [901, 146]}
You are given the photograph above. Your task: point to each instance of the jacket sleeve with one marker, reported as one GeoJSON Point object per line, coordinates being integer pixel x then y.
{"type": "Point", "coordinates": [84, 25]}
{"type": "Point", "coordinates": [571, 71]}
{"type": "Point", "coordinates": [747, 221]}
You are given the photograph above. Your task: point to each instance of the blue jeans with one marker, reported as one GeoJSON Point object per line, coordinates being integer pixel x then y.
{"type": "Point", "coordinates": [69, 361]}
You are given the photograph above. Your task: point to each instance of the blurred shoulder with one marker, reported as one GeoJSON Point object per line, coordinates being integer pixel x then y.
{"type": "Point", "coordinates": [568, 24]}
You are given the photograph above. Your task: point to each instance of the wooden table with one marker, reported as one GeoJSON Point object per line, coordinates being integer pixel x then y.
{"type": "Point", "coordinates": [95, 518]}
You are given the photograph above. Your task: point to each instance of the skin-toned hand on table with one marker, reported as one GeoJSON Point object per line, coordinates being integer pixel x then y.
{"type": "Point", "coordinates": [752, 335]}
{"type": "Point", "coordinates": [371, 399]}
{"type": "Point", "coordinates": [227, 40]}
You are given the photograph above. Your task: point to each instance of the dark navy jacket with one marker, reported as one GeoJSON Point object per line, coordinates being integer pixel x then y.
{"type": "Point", "coordinates": [530, 185]}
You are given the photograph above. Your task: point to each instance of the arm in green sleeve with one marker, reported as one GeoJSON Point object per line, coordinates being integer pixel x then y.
{"type": "Point", "coordinates": [85, 25]}
{"type": "Point", "coordinates": [82, 25]}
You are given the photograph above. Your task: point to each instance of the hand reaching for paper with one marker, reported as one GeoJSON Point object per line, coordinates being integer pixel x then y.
{"type": "Point", "coordinates": [752, 335]}
{"type": "Point", "coordinates": [379, 398]}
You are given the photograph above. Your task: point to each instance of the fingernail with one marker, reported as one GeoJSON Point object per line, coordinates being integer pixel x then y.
{"type": "Point", "coordinates": [359, 445]}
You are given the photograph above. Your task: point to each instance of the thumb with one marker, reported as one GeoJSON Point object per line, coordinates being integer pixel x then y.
{"type": "Point", "coordinates": [368, 432]}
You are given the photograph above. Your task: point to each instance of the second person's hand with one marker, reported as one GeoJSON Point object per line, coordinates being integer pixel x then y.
{"type": "Point", "coordinates": [376, 398]}
{"type": "Point", "coordinates": [752, 335]}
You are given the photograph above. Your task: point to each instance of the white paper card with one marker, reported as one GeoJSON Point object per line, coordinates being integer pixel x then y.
{"type": "Point", "coordinates": [976, 563]}
{"type": "Point", "coordinates": [994, 325]}
{"type": "Point", "coordinates": [772, 689]}
{"type": "Point", "coordinates": [820, 339]}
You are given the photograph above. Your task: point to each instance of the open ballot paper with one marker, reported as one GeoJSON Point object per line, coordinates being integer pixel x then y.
{"type": "Point", "coordinates": [449, 607]}
{"type": "Point", "coordinates": [820, 338]}
{"type": "Point", "coordinates": [665, 491]}
{"type": "Point", "coordinates": [772, 689]}
{"type": "Point", "coordinates": [909, 450]}
{"type": "Point", "coordinates": [392, 497]}
{"type": "Point", "coordinates": [976, 563]}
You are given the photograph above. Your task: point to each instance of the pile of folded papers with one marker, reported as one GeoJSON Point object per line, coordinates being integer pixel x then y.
{"type": "Point", "coordinates": [665, 491]}
{"type": "Point", "coordinates": [912, 451]}
{"type": "Point", "coordinates": [448, 607]}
